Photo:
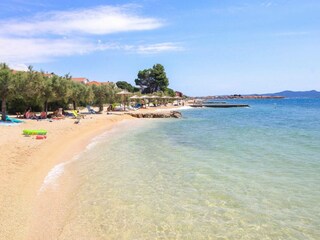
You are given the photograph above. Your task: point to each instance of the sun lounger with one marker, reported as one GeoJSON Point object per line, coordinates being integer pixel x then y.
{"type": "Point", "coordinates": [132, 108]}
{"type": "Point", "coordinates": [90, 110]}
{"type": "Point", "coordinates": [137, 106]}
{"type": "Point", "coordinates": [77, 115]}
{"type": "Point", "coordinates": [13, 120]}
{"type": "Point", "coordinates": [19, 115]}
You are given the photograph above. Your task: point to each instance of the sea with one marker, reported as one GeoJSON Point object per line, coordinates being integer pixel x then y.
{"type": "Point", "coordinates": [216, 173]}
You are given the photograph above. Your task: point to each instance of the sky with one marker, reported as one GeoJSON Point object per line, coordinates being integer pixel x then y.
{"type": "Point", "coordinates": [207, 47]}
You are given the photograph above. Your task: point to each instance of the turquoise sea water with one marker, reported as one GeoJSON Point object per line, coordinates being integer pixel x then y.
{"type": "Point", "coordinates": [240, 173]}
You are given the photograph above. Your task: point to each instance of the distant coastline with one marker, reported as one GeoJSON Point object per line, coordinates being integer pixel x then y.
{"type": "Point", "coordinates": [278, 95]}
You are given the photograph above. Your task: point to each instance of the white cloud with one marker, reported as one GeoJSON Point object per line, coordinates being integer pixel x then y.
{"type": "Point", "coordinates": [158, 47]}
{"type": "Point", "coordinates": [18, 66]}
{"type": "Point", "coordinates": [33, 50]}
{"type": "Point", "coordinates": [267, 4]}
{"type": "Point", "coordinates": [49, 35]}
{"type": "Point", "coordinates": [98, 21]}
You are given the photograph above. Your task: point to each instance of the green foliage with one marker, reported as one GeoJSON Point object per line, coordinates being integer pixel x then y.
{"type": "Point", "coordinates": [6, 87]}
{"type": "Point", "coordinates": [77, 93]}
{"type": "Point", "coordinates": [105, 93]}
{"type": "Point", "coordinates": [19, 90]}
{"type": "Point", "coordinates": [153, 79]}
{"type": "Point", "coordinates": [160, 77]}
{"type": "Point", "coordinates": [170, 92]}
{"type": "Point", "coordinates": [6, 80]}
{"type": "Point", "coordinates": [127, 86]}
{"type": "Point", "coordinates": [40, 91]}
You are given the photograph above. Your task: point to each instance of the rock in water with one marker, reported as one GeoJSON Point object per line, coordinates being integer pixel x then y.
{"type": "Point", "coordinates": [172, 114]}
{"type": "Point", "coordinates": [176, 114]}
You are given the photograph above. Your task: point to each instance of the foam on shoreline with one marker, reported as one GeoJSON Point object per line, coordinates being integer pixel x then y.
{"type": "Point", "coordinates": [51, 179]}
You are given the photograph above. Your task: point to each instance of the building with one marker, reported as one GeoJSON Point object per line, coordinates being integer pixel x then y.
{"type": "Point", "coordinates": [86, 81]}
{"type": "Point", "coordinates": [94, 83]}
{"type": "Point", "coordinates": [49, 75]}
{"type": "Point", "coordinates": [179, 94]}
{"type": "Point", "coordinates": [81, 80]}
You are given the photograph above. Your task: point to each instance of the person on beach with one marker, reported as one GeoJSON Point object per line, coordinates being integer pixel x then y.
{"type": "Point", "coordinates": [27, 112]}
{"type": "Point", "coordinates": [43, 115]}
{"type": "Point", "coordinates": [30, 115]}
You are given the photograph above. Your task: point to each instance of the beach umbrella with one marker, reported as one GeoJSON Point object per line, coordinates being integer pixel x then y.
{"type": "Point", "coordinates": [164, 98]}
{"type": "Point", "coordinates": [153, 97]}
{"type": "Point", "coordinates": [135, 97]}
{"type": "Point", "coordinates": [176, 98]}
{"type": "Point", "coordinates": [144, 97]}
{"type": "Point", "coordinates": [124, 93]}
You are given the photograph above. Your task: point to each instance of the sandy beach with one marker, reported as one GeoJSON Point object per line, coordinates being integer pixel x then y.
{"type": "Point", "coordinates": [26, 161]}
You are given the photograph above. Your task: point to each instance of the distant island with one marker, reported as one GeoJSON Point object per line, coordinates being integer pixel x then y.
{"type": "Point", "coordinates": [278, 95]}
{"type": "Point", "coordinates": [295, 94]}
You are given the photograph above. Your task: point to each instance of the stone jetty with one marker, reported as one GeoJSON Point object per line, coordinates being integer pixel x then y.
{"type": "Point", "coordinates": [171, 114]}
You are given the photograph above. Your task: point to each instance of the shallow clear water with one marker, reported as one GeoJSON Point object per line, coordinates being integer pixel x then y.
{"type": "Point", "coordinates": [240, 173]}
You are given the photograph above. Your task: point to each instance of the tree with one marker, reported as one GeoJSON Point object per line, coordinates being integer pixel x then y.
{"type": "Point", "coordinates": [127, 86]}
{"type": "Point", "coordinates": [88, 95]}
{"type": "Point", "coordinates": [34, 86]}
{"type": "Point", "coordinates": [6, 87]}
{"type": "Point", "coordinates": [48, 94]}
{"type": "Point", "coordinates": [20, 89]}
{"type": "Point", "coordinates": [111, 95]}
{"type": "Point", "coordinates": [62, 88]}
{"type": "Point", "coordinates": [105, 93]}
{"type": "Point", "coordinates": [153, 79]}
{"type": "Point", "coordinates": [77, 94]}
{"type": "Point", "coordinates": [145, 81]}
{"type": "Point", "coordinates": [100, 95]}
{"type": "Point", "coordinates": [170, 92]}
{"type": "Point", "coordinates": [17, 100]}
{"type": "Point", "coordinates": [160, 77]}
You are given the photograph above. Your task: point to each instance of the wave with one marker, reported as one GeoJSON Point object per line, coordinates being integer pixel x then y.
{"type": "Point", "coordinates": [50, 180]}
{"type": "Point", "coordinates": [52, 176]}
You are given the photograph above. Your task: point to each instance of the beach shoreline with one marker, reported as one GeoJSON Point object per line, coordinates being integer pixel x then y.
{"type": "Point", "coordinates": [23, 169]}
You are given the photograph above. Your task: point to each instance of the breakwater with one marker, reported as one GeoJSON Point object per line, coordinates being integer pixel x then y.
{"type": "Point", "coordinates": [171, 114]}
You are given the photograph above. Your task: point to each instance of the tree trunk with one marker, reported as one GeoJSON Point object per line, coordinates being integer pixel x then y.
{"type": "Point", "coordinates": [100, 107]}
{"type": "Point", "coordinates": [46, 106]}
{"type": "Point", "coordinates": [3, 109]}
{"type": "Point", "coordinates": [74, 105]}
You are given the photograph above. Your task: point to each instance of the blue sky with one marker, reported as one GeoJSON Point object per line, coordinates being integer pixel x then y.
{"type": "Point", "coordinates": [207, 47]}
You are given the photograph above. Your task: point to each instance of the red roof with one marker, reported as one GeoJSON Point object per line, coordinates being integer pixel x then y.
{"type": "Point", "coordinates": [94, 83]}
{"type": "Point", "coordinates": [179, 94]}
{"type": "Point", "coordinates": [98, 83]}
{"type": "Point", "coordinates": [81, 79]}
